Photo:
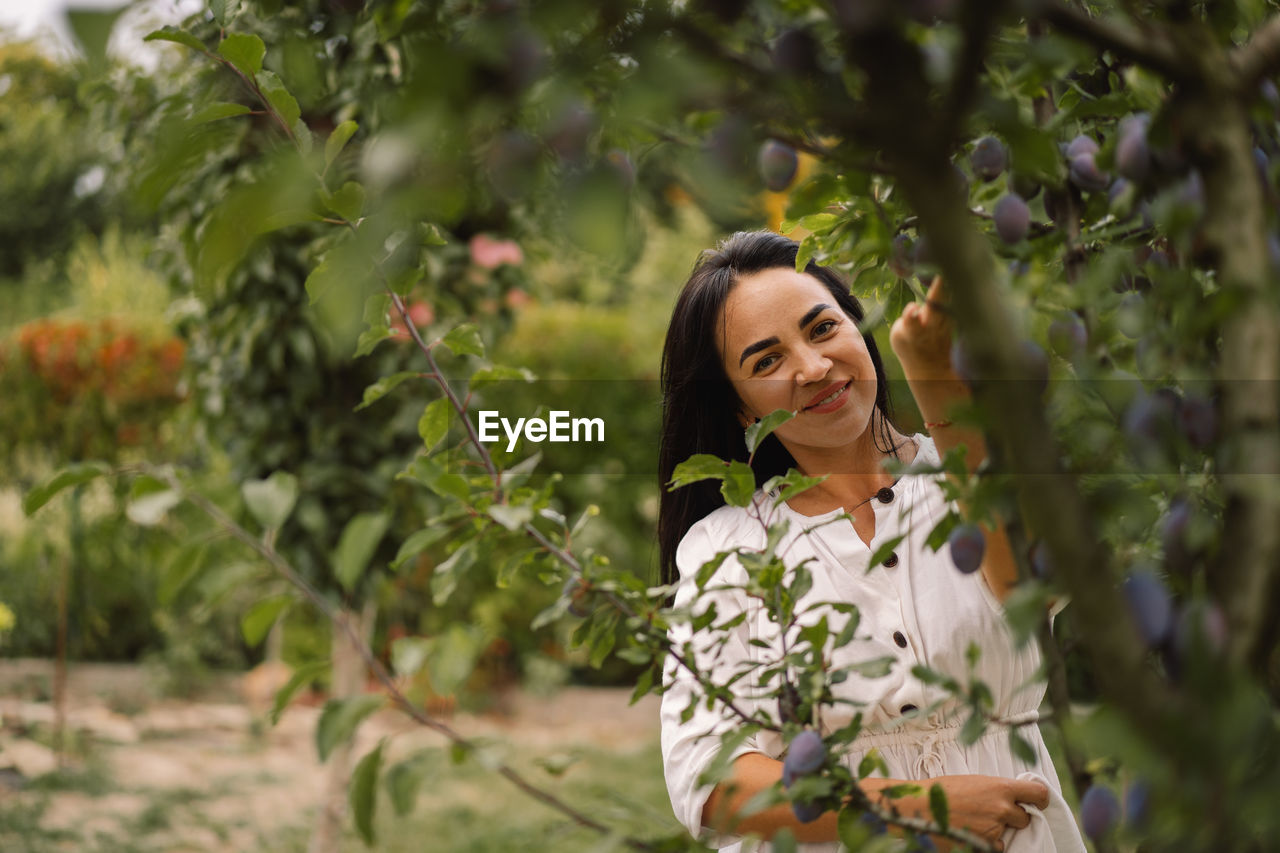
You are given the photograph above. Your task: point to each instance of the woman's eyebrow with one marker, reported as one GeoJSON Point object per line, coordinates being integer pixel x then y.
{"type": "Point", "coordinates": [813, 312]}
{"type": "Point", "coordinates": [756, 347]}
{"type": "Point", "coordinates": [768, 342]}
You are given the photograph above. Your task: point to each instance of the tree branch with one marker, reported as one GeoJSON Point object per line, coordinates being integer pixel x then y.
{"type": "Point", "coordinates": [1144, 48]}
{"type": "Point", "coordinates": [1258, 57]}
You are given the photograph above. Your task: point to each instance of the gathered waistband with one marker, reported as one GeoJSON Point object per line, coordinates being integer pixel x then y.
{"type": "Point", "coordinates": [928, 762]}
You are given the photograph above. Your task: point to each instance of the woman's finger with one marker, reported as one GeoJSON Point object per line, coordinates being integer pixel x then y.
{"type": "Point", "coordinates": [1035, 793]}
{"type": "Point", "coordinates": [1019, 819]}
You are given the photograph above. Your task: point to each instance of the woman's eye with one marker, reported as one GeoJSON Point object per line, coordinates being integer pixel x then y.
{"type": "Point", "coordinates": [824, 327]}
{"type": "Point", "coordinates": [764, 363]}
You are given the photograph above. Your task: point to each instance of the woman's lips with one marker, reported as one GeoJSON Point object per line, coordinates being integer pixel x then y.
{"type": "Point", "coordinates": [841, 391]}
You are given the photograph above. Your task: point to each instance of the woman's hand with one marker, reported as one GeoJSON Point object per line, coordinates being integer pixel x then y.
{"type": "Point", "coordinates": [986, 805]}
{"type": "Point", "coordinates": [921, 337]}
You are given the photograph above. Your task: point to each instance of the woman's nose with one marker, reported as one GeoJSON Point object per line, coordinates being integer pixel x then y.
{"type": "Point", "coordinates": [813, 367]}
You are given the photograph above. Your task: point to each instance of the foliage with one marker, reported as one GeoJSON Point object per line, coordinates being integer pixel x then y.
{"type": "Point", "coordinates": [1120, 343]}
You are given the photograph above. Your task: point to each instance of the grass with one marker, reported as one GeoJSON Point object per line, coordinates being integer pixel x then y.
{"type": "Point", "coordinates": [466, 808]}
{"type": "Point", "coordinates": [459, 808]}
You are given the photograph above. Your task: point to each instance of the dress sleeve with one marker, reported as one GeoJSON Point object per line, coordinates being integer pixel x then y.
{"type": "Point", "coordinates": [689, 746]}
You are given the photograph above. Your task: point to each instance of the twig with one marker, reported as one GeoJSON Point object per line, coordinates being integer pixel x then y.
{"type": "Point", "coordinates": [1146, 48]}
{"type": "Point", "coordinates": [281, 565]}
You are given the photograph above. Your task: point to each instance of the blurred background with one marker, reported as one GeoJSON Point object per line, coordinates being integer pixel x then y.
{"type": "Point", "coordinates": [137, 663]}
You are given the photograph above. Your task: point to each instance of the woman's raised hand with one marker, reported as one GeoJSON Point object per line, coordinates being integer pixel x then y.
{"type": "Point", "coordinates": [921, 337]}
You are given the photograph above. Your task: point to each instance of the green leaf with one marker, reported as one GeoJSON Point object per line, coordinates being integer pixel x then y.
{"type": "Point", "coordinates": [347, 202]}
{"type": "Point", "coordinates": [302, 676]}
{"type": "Point", "coordinates": [176, 36]}
{"type": "Point", "coordinates": [284, 104]}
{"type": "Point", "coordinates": [369, 339]}
{"type": "Point", "coordinates": [339, 720]}
{"type": "Point", "coordinates": [92, 29]}
{"type": "Point", "coordinates": [364, 792]}
{"type": "Point", "coordinates": [73, 475]}
{"type": "Point", "coordinates": [214, 112]}
{"type": "Point", "coordinates": [464, 340]}
{"type": "Point", "coordinates": [419, 542]}
{"type": "Point", "coordinates": [338, 140]}
{"type": "Point", "coordinates": [404, 779]}
{"type": "Point", "coordinates": [700, 466]}
{"type": "Point", "coordinates": [150, 509]}
{"type": "Point", "coordinates": [973, 729]}
{"type": "Point", "coordinates": [938, 806]}
{"type": "Point", "coordinates": [499, 372]}
{"type": "Point", "coordinates": [271, 501]}
{"type": "Point", "coordinates": [244, 51]}
{"type": "Point", "coordinates": [511, 517]}
{"type": "Point", "coordinates": [383, 387]}
{"type": "Point", "coordinates": [739, 484]}
{"type": "Point", "coordinates": [763, 428]}
{"type": "Point", "coordinates": [321, 280]}
{"type": "Point", "coordinates": [355, 548]}
{"type": "Point", "coordinates": [1021, 747]}
{"type": "Point", "coordinates": [853, 831]}
{"type": "Point", "coordinates": [445, 578]}
{"type": "Point", "coordinates": [434, 423]}
{"type": "Point", "coordinates": [258, 621]}
{"type": "Point", "coordinates": [408, 654]}
{"type": "Point", "coordinates": [180, 570]}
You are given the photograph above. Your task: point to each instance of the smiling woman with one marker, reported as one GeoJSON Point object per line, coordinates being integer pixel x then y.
{"type": "Point", "coordinates": [750, 335]}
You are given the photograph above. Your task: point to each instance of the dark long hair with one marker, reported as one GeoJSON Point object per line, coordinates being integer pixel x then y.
{"type": "Point", "coordinates": [699, 405]}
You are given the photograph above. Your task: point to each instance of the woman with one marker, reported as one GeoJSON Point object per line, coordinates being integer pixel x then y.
{"type": "Point", "coordinates": [750, 335]}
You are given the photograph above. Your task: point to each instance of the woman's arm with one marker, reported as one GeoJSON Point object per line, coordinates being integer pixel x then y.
{"type": "Point", "coordinates": [921, 338]}
{"type": "Point", "coordinates": [985, 805]}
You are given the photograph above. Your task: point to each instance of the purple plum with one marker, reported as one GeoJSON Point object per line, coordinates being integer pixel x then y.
{"type": "Point", "coordinates": [967, 547]}
{"type": "Point", "coordinates": [1099, 811]}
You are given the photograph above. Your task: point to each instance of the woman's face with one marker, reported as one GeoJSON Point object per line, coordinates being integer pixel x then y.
{"type": "Point", "coordinates": [786, 344]}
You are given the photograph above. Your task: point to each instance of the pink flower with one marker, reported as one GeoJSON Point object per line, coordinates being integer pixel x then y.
{"type": "Point", "coordinates": [491, 254]}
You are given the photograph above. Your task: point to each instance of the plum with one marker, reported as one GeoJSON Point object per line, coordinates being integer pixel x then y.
{"type": "Point", "coordinates": [1151, 606]}
{"type": "Point", "coordinates": [967, 547]}
{"type": "Point", "coordinates": [1137, 796]}
{"type": "Point", "coordinates": [778, 164]}
{"type": "Point", "coordinates": [1041, 561]}
{"type": "Point", "coordinates": [1086, 175]}
{"type": "Point", "coordinates": [989, 158]}
{"type": "Point", "coordinates": [806, 753]}
{"type": "Point", "coordinates": [1198, 421]}
{"type": "Point", "coordinates": [900, 258]}
{"type": "Point", "coordinates": [1012, 218]}
{"type": "Point", "coordinates": [1099, 811]}
{"type": "Point", "coordinates": [807, 812]}
{"type": "Point", "coordinates": [1081, 145]}
{"type": "Point", "coordinates": [1068, 335]}
{"type": "Point", "coordinates": [1133, 155]}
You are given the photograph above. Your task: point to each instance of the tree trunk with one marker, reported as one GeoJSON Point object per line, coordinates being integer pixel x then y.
{"type": "Point", "coordinates": [349, 673]}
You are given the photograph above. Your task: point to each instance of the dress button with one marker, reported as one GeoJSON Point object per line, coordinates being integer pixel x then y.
{"type": "Point", "coordinates": [890, 561]}
{"type": "Point", "coordinates": [884, 495]}
{"type": "Point", "coordinates": [899, 639]}
{"type": "Point", "coordinates": [907, 709]}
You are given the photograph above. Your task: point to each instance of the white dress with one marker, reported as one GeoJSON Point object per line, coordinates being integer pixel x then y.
{"type": "Point", "coordinates": [917, 609]}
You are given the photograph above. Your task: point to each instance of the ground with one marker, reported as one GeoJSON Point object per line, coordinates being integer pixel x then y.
{"type": "Point", "coordinates": [211, 774]}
